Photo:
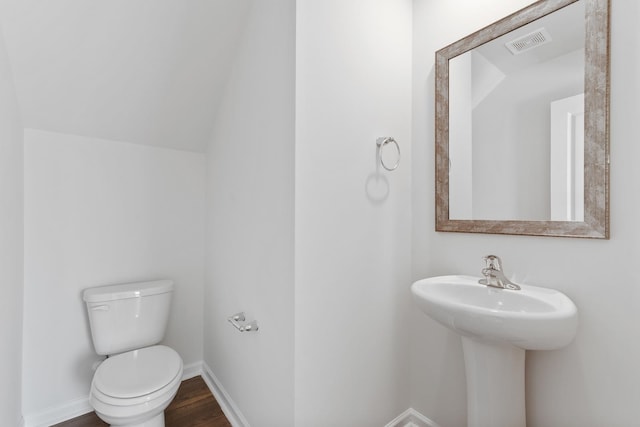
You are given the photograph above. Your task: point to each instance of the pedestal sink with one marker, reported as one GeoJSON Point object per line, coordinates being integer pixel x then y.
{"type": "Point", "coordinates": [497, 326]}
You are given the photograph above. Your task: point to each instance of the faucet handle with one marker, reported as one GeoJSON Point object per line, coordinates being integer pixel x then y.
{"type": "Point", "coordinates": [494, 275]}
{"type": "Point", "coordinates": [493, 262]}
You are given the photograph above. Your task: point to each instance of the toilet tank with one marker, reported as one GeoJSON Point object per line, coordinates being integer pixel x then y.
{"type": "Point", "coordinates": [128, 316]}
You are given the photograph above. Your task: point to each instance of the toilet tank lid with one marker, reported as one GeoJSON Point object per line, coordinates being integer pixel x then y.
{"type": "Point", "coordinates": [127, 290]}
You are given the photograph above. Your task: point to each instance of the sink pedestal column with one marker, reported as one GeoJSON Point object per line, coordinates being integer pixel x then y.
{"type": "Point", "coordinates": [495, 384]}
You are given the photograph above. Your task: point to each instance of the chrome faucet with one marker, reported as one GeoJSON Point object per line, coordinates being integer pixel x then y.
{"type": "Point", "coordinates": [494, 276]}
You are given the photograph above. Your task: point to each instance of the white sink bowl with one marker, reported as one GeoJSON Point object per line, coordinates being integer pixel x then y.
{"type": "Point", "coordinates": [532, 318]}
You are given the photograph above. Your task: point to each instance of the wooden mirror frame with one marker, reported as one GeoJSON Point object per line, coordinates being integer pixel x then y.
{"type": "Point", "coordinates": [596, 156]}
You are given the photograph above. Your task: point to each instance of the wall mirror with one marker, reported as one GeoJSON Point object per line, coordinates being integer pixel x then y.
{"type": "Point", "coordinates": [522, 124]}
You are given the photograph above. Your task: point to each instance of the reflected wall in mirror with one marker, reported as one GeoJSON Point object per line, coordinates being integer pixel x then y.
{"type": "Point", "coordinates": [522, 124]}
{"type": "Point", "coordinates": [500, 97]}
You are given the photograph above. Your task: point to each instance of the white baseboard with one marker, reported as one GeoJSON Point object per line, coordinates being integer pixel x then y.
{"type": "Point", "coordinates": [191, 370]}
{"type": "Point", "coordinates": [228, 406]}
{"type": "Point", "coordinates": [412, 418]}
{"type": "Point", "coordinates": [58, 414]}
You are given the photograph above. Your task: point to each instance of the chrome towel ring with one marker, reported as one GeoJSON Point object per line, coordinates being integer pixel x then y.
{"type": "Point", "coordinates": [381, 142]}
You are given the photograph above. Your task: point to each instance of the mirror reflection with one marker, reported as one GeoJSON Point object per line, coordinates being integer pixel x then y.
{"type": "Point", "coordinates": [516, 123]}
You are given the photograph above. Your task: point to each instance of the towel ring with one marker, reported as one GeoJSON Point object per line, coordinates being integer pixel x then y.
{"type": "Point", "coordinates": [381, 142]}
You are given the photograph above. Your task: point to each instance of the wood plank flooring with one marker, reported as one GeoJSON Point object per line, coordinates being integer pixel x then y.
{"type": "Point", "coordinates": [193, 406]}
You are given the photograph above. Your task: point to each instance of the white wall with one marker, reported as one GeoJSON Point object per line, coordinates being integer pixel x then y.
{"type": "Point", "coordinates": [518, 139]}
{"type": "Point", "coordinates": [100, 212]}
{"type": "Point", "coordinates": [11, 244]}
{"type": "Point", "coordinates": [250, 176]}
{"type": "Point", "coordinates": [594, 381]}
{"type": "Point", "coordinates": [353, 219]}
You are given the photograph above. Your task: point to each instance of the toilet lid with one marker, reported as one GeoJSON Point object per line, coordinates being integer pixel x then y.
{"type": "Point", "coordinates": [138, 372]}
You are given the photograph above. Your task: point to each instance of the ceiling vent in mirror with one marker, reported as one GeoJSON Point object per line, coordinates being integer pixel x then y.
{"type": "Point", "coordinates": [529, 41]}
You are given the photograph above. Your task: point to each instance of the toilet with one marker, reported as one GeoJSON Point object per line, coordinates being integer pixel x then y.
{"type": "Point", "coordinates": [139, 378]}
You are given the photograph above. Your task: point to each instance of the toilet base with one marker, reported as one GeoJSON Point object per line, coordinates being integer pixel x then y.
{"type": "Point", "coordinates": [157, 421]}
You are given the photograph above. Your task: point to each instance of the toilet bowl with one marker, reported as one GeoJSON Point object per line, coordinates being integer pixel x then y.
{"type": "Point", "coordinates": [134, 388]}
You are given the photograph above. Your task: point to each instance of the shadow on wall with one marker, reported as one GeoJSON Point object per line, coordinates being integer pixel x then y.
{"type": "Point", "coordinates": [377, 188]}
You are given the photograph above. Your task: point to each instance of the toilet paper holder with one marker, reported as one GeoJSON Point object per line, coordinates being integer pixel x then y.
{"type": "Point", "coordinates": [239, 321]}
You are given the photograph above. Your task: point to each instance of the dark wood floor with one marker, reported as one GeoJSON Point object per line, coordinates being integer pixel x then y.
{"type": "Point", "coordinates": [193, 406]}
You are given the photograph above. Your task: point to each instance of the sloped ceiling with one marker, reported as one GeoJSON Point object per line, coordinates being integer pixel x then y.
{"type": "Point", "coordinates": [141, 71]}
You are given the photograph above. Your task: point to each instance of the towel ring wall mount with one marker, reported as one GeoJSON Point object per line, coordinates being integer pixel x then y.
{"type": "Point", "coordinates": [381, 143]}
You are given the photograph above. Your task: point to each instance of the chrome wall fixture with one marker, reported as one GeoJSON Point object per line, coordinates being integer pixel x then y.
{"type": "Point", "coordinates": [239, 322]}
{"type": "Point", "coordinates": [381, 142]}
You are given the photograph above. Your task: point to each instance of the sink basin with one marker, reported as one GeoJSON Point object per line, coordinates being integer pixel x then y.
{"type": "Point", "coordinates": [497, 326]}
{"type": "Point", "coordinates": [532, 318]}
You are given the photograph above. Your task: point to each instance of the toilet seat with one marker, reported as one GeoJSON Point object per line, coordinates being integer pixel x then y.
{"type": "Point", "coordinates": [170, 389]}
{"type": "Point", "coordinates": [137, 376]}
{"type": "Point", "coordinates": [151, 377]}
{"type": "Point", "coordinates": [138, 372]}
{"type": "Point", "coordinates": [123, 412]}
